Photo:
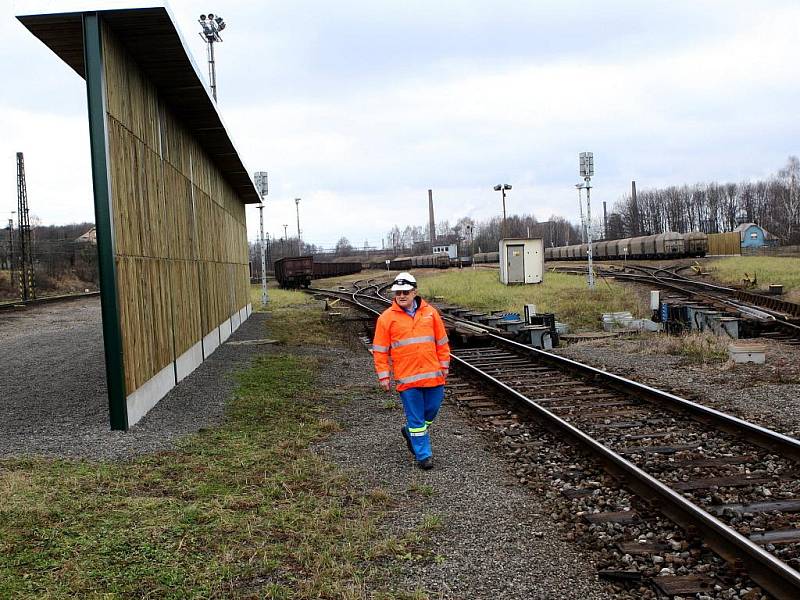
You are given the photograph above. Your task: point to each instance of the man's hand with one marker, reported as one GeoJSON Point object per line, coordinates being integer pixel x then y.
{"type": "Point", "coordinates": [385, 386]}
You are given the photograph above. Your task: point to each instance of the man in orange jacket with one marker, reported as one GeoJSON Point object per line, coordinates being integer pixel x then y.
{"type": "Point", "coordinates": [412, 334]}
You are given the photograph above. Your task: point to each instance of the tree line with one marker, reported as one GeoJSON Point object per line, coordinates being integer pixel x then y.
{"type": "Point", "coordinates": [773, 203]}
{"type": "Point", "coordinates": [473, 236]}
{"type": "Point", "coordinates": [60, 262]}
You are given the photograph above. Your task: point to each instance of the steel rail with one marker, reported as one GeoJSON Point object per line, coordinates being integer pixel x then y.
{"type": "Point", "coordinates": [749, 302]}
{"type": "Point", "coordinates": [770, 573]}
{"type": "Point", "coordinates": [762, 436]}
{"type": "Point", "coordinates": [766, 438]}
{"type": "Point", "coordinates": [47, 300]}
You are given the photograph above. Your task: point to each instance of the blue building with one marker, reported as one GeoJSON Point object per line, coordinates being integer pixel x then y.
{"type": "Point", "coordinates": [753, 236]}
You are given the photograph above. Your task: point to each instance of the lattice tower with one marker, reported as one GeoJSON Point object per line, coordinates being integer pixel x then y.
{"type": "Point", "coordinates": [27, 289]}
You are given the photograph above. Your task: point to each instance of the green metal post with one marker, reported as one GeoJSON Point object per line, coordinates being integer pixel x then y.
{"type": "Point", "coordinates": [98, 138]}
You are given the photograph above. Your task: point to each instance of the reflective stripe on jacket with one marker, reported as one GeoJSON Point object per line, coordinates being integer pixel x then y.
{"type": "Point", "coordinates": [418, 346]}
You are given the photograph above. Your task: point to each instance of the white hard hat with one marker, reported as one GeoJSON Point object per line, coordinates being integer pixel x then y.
{"type": "Point", "coordinates": [404, 281]}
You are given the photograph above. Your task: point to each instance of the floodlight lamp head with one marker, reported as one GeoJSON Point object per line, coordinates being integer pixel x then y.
{"type": "Point", "coordinates": [498, 187]}
{"type": "Point", "coordinates": [507, 187]}
{"type": "Point", "coordinates": [202, 17]}
{"type": "Point", "coordinates": [210, 16]}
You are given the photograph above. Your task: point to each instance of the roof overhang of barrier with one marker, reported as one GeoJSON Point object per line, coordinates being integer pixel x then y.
{"type": "Point", "coordinates": [153, 40]}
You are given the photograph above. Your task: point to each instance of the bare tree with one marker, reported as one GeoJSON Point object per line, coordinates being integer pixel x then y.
{"type": "Point", "coordinates": [790, 198]}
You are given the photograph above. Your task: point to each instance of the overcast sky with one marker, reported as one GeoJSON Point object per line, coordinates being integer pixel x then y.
{"type": "Point", "coordinates": [359, 107]}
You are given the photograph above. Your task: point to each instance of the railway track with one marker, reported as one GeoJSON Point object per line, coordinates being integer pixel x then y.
{"type": "Point", "coordinates": [731, 482]}
{"type": "Point", "coordinates": [7, 306]}
{"type": "Point", "coordinates": [777, 319]}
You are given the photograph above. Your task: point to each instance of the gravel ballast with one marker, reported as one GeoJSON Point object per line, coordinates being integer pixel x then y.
{"type": "Point", "coordinates": [493, 538]}
{"type": "Point", "coordinates": [53, 399]}
{"type": "Point", "coordinates": [767, 394]}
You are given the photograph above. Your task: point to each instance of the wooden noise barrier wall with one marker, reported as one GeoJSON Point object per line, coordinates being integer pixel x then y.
{"type": "Point", "coordinates": [172, 240]}
{"type": "Point", "coordinates": [180, 239]}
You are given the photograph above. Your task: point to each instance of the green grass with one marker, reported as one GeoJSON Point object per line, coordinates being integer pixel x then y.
{"type": "Point", "coordinates": [565, 295]}
{"type": "Point", "coordinates": [294, 318]}
{"type": "Point", "coordinates": [767, 269]}
{"type": "Point", "coordinates": [240, 510]}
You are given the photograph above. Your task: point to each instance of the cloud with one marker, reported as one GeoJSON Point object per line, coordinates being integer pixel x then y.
{"type": "Point", "coordinates": [360, 108]}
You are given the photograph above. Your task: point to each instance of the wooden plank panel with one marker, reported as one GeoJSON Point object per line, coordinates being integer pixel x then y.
{"type": "Point", "coordinates": [724, 243]}
{"type": "Point", "coordinates": [185, 304]}
{"type": "Point", "coordinates": [178, 205]}
{"type": "Point", "coordinates": [116, 78]}
{"type": "Point", "coordinates": [181, 240]}
{"type": "Point", "coordinates": [145, 316]}
{"type": "Point", "coordinates": [124, 190]}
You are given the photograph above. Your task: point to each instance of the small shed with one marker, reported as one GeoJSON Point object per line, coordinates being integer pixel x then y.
{"type": "Point", "coordinates": [521, 260]}
{"type": "Point", "coordinates": [754, 236]}
{"type": "Point", "coordinates": [451, 250]}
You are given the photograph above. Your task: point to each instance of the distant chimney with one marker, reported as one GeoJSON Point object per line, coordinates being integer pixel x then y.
{"type": "Point", "coordinates": [433, 222]}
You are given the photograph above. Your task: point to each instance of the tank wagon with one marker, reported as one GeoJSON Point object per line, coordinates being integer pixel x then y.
{"type": "Point", "coordinates": [664, 245]}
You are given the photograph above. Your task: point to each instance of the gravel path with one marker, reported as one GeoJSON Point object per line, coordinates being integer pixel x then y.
{"type": "Point", "coordinates": [767, 394]}
{"type": "Point", "coordinates": [53, 391]}
{"type": "Point", "coordinates": [495, 539]}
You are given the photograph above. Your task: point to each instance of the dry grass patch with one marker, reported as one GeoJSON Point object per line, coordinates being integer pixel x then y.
{"type": "Point", "coordinates": [565, 295]}
{"type": "Point", "coordinates": [293, 319]}
{"type": "Point", "coordinates": [768, 269]}
{"type": "Point", "coordinates": [698, 348]}
{"type": "Point", "coordinates": [241, 510]}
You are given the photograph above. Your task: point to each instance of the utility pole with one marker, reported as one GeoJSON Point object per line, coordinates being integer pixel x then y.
{"type": "Point", "coordinates": [605, 222]}
{"type": "Point", "coordinates": [299, 243]}
{"type": "Point", "coordinates": [263, 189]}
{"type": "Point", "coordinates": [211, 27]}
{"type": "Point", "coordinates": [586, 160]}
{"type": "Point", "coordinates": [431, 222]}
{"type": "Point", "coordinates": [285, 235]}
{"type": "Point", "coordinates": [26, 275]}
{"type": "Point", "coordinates": [11, 248]}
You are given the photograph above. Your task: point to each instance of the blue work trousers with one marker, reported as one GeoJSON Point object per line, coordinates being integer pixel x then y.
{"type": "Point", "coordinates": [421, 406]}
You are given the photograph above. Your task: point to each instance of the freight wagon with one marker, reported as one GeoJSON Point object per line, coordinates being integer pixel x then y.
{"type": "Point", "coordinates": [294, 271]}
{"type": "Point", "coordinates": [334, 269]}
{"type": "Point", "coordinates": [664, 245]}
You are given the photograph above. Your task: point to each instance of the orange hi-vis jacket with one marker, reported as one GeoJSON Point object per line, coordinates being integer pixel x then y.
{"type": "Point", "coordinates": [418, 347]}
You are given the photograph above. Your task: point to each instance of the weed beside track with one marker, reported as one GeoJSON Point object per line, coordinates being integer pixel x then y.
{"type": "Point", "coordinates": [245, 509]}
{"type": "Point", "coordinates": [565, 295]}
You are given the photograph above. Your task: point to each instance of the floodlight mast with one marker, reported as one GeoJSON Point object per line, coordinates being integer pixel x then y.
{"type": "Point", "coordinates": [502, 188]}
{"type": "Point", "coordinates": [211, 26]}
{"type": "Point", "coordinates": [586, 161]}
{"type": "Point", "coordinates": [263, 189]}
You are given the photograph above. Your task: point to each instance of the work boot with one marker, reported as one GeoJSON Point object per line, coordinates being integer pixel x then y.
{"type": "Point", "coordinates": [426, 464]}
{"type": "Point", "coordinates": [408, 439]}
